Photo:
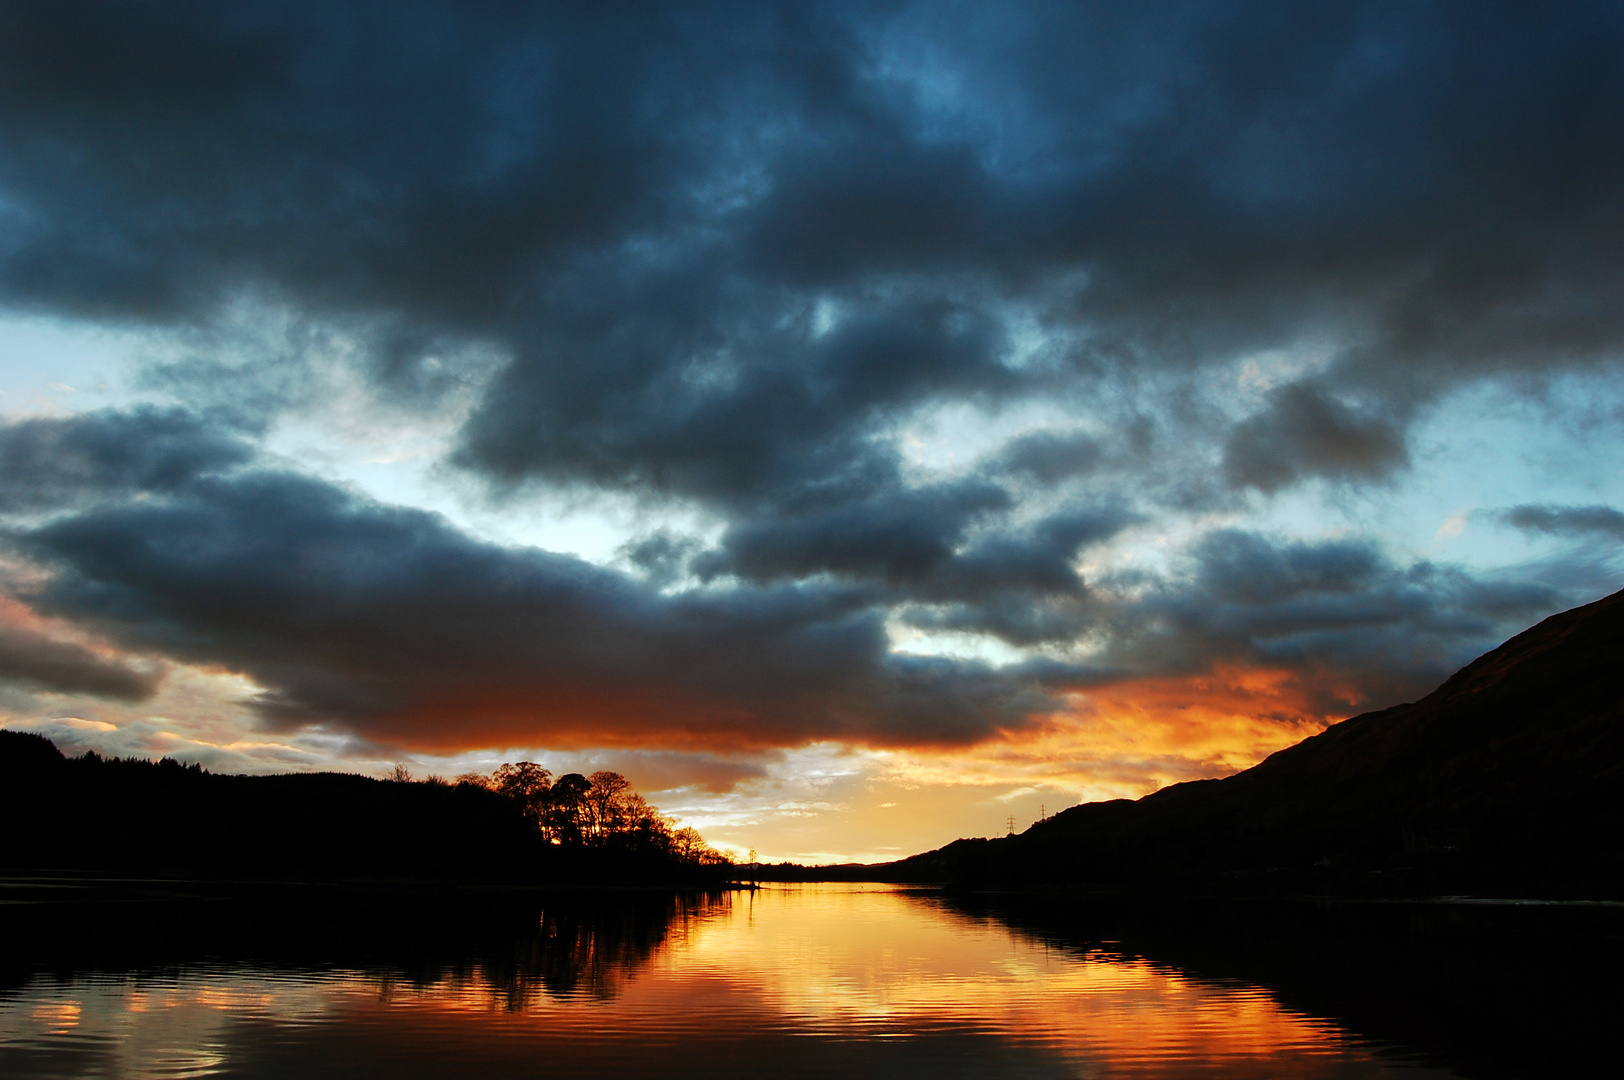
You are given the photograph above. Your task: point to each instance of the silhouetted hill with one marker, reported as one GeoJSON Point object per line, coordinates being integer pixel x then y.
{"type": "Point", "coordinates": [1509, 775]}
{"type": "Point", "coordinates": [161, 818]}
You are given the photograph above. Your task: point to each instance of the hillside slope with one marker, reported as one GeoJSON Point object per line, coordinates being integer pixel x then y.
{"type": "Point", "coordinates": [1510, 774]}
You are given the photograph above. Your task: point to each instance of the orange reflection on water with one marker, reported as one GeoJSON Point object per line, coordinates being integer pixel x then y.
{"type": "Point", "coordinates": [813, 981]}
{"type": "Point", "coordinates": [868, 960]}
{"type": "Point", "coordinates": [56, 1017]}
{"type": "Point", "coordinates": [857, 965]}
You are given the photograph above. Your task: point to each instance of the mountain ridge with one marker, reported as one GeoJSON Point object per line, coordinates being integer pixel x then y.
{"type": "Point", "coordinates": [1509, 775]}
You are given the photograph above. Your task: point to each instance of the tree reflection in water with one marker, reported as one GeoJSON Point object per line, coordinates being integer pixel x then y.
{"type": "Point", "coordinates": [519, 945]}
{"type": "Point", "coordinates": [843, 981]}
{"type": "Point", "coordinates": [591, 951]}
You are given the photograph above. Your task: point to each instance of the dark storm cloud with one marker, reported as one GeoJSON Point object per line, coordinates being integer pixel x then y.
{"type": "Point", "coordinates": [389, 623]}
{"type": "Point", "coordinates": [46, 464]}
{"type": "Point", "coordinates": [1370, 628]}
{"type": "Point", "coordinates": [391, 626]}
{"type": "Point", "coordinates": [646, 212]}
{"type": "Point", "coordinates": [724, 257]}
{"type": "Point", "coordinates": [1305, 432]}
{"type": "Point", "coordinates": [1573, 521]}
{"type": "Point", "coordinates": [1049, 457]}
{"type": "Point", "coordinates": [358, 155]}
{"type": "Point", "coordinates": [899, 538]}
{"type": "Point", "coordinates": [1353, 626]}
{"type": "Point", "coordinates": [631, 394]}
{"type": "Point", "coordinates": [1039, 558]}
{"type": "Point", "coordinates": [1243, 567]}
{"type": "Point", "coordinates": [1021, 586]}
{"type": "Point", "coordinates": [42, 663]}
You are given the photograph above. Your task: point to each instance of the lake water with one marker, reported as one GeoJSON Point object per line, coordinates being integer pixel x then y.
{"type": "Point", "coordinates": [790, 981]}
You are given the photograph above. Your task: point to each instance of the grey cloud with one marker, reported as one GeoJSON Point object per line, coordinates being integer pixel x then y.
{"type": "Point", "coordinates": [1350, 627]}
{"type": "Point", "coordinates": [42, 663]}
{"type": "Point", "coordinates": [1248, 568]}
{"type": "Point", "coordinates": [655, 396]}
{"type": "Point", "coordinates": [661, 556]}
{"type": "Point", "coordinates": [1049, 457]}
{"type": "Point", "coordinates": [1305, 432]}
{"type": "Point", "coordinates": [258, 360]}
{"type": "Point", "coordinates": [724, 256]}
{"type": "Point", "coordinates": [1015, 565]}
{"type": "Point", "coordinates": [1023, 586]}
{"type": "Point", "coordinates": [1566, 520]}
{"type": "Point", "coordinates": [388, 623]}
{"type": "Point", "coordinates": [644, 212]}
{"type": "Point", "coordinates": [391, 627]}
{"type": "Point", "coordinates": [46, 464]}
{"type": "Point", "coordinates": [1380, 631]}
{"type": "Point", "coordinates": [1012, 615]}
{"type": "Point", "coordinates": [1020, 585]}
{"type": "Point", "coordinates": [900, 537]}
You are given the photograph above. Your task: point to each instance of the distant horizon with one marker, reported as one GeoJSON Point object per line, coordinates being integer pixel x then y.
{"type": "Point", "coordinates": [400, 774]}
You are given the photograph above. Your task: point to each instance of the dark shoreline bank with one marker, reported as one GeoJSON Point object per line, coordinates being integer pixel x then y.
{"type": "Point", "coordinates": [161, 820]}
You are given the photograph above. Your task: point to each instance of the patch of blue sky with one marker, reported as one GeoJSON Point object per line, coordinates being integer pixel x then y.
{"type": "Point", "coordinates": [50, 366]}
{"type": "Point", "coordinates": [1486, 448]}
{"type": "Point", "coordinates": [404, 465]}
{"type": "Point", "coordinates": [949, 437]}
{"type": "Point", "coordinates": [914, 641]}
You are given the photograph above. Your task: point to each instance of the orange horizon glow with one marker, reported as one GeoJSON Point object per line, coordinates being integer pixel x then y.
{"type": "Point", "coordinates": [813, 801]}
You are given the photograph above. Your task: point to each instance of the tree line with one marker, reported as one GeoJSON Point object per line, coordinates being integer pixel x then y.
{"type": "Point", "coordinates": [600, 811]}
{"type": "Point", "coordinates": [518, 825]}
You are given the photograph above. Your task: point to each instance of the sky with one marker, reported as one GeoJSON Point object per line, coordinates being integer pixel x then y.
{"type": "Point", "coordinates": [861, 425]}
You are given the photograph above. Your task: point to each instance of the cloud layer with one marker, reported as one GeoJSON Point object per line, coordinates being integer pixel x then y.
{"type": "Point", "coordinates": [390, 623]}
{"type": "Point", "coordinates": [1002, 336]}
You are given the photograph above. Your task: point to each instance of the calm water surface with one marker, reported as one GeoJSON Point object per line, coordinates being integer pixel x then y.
{"type": "Point", "coordinates": [792, 981]}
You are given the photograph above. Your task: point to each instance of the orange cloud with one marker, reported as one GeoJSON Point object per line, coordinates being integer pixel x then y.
{"type": "Point", "coordinates": [1130, 738]}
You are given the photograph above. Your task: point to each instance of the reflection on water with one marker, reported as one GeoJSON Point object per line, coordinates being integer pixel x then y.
{"type": "Point", "coordinates": [793, 981]}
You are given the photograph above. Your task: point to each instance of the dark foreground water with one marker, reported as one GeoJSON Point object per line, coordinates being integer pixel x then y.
{"type": "Point", "coordinates": [794, 981]}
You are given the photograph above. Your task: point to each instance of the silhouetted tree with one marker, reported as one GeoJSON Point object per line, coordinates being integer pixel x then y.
{"type": "Point", "coordinates": [604, 806]}
{"type": "Point", "coordinates": [600, 811]}
{"type": "Point", "coordinates": [689, 846]}
{"type": "Point", "coordinates": [567, 818]}
{"type": "Point", "coordinates": [527, 784]}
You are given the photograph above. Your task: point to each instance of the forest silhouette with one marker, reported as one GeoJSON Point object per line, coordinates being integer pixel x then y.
{"type": "Point", "coordinates": [517, 826]}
